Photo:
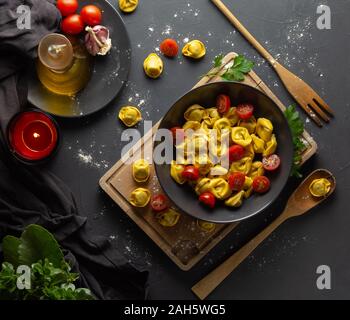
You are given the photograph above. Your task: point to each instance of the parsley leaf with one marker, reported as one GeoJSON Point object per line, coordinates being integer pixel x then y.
{"type": "Point", "coordinates": [241, 66]}
{"type": "Point", "coordinates": [296, 126]}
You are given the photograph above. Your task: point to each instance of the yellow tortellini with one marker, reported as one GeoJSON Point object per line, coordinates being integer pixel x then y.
{"type": "Point", "coordinates": [320, 187]}
{"type": "Point", "coordinates": [194, 49]}
{"type": "Point", "coordinates": [257, 169]}
{"type": "Point", "coordinates": [194, 113]}
{"type": "Point", "coordinates": [244, 165]}
{"type": "Point", "coordinates": [206, 226]}
{"type": "Point", "coordinates": [250, 124]}
{"type": "Point", "coordinates": [236, 200]}
{"type": "Point", "coordinates": [264, 129]}
{"type": "Point", "coordinates": [220, 188]}
{"type": "Point", "coordinates": [241, 136]}
{"type": "Point", "coordinates": [203, 185]}
{"type": "Point", "coordinates": [130, 116]}
{"type": "Point", "coordinates": [222, 125]}
{"type": "Point", "coordinates": [176, 172]}
{"type": "Point", "coordinates": [140, 197]}
{"type": "Point", "coordinates": [168, 218]}
{"type": "Point", "coordinates": [258, 144]}
{"type": "Point", "coordinates": [203, 163]}
{"type": "Point", "coordinates": [153, 66]}
{"type": "Point", "coordinates": [249, 151]}
{"type": "Point", "coordinates": [232, 116]}
{"type": "Point", "coordinates": [141, 170]}
{"type": "Point", "coordinates": [193, 125]}
{"type": "Point", "coordinates": [271, 146]}
{"type": "Point", "coordinates": [210, 116]}
{"type": "Point", "coordinates": [128, 5]}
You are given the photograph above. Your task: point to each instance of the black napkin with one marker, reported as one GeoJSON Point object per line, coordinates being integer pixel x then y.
{"type": "Point", "coordinates": [29, 194]}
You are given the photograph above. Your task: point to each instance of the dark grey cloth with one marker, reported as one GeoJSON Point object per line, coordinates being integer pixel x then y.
{"type": "Point", "coordinates": [29, 194]}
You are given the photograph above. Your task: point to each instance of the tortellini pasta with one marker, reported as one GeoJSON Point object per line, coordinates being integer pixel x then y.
{"type": "Point", "coordinates": [141, 170]}
{"type": "Point", "coordinates": [236, 200]}
{"type": "Point", "coordinates": [130, 116]}
{"type": "Point", "coordinates": [206, 158]}
{"type": "Point", "coordinates": [128, 5]}
{"type": "Point", "coordinates": [206, 226]}
{"type": "Point", "coordinates": [271, 146]}
{"type": "Point", "coordinates": [153, 66]}
{"type": "Point", "coordinates": [194, 49]}
{"type": "Point", "coordinates": [176, 172]}
{"type": "Point", "coordinates": [168, 218]}
{"type": "Point", "coordinates": [220, 188]}
{"type": "Point", "coordinates": [320, 187]}
{"type": "Point", "coordinates": [194, 113]}
{"type": "Point", "coordinates": [264, 129]}
{"type": "Point", "coordinates": [241, 136]}
{"type": "Point", "coordinates": [140, 197]}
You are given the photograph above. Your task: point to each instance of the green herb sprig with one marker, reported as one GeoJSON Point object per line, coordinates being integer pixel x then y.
{"type": "Point", "coordinates": [296, 126]}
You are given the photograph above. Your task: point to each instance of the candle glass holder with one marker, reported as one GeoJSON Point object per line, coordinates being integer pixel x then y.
{"type": "Point", "coordinates": [33, 136]}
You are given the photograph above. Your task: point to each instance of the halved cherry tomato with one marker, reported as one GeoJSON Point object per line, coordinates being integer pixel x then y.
{"type": "Point", "coordinates": [178, 134]}
{"type": "Point", "coordinates": [245, 111]}
{"type": "Point", "coordinates": [67, 7]}
{"type": "Point", "coordinates": [72, 25]}
{"type": "Point", "coordinates": [235, 153]}
{"type": "Point", "coordinates": [91, 15]}
{"type": "Point", "coordinates": [271, 163]}
{"type": "Point", "coordinates": [169, 48]}
{"type": "Point", "coordinates": [223, 103]}
{"type": "Point", "coordinates": [208, 199]}
{"type": "Point", "coordinates": [159, 202]}
{"type": "Point", "coordinates": [191, 173]}
{"type": "Point", "coordinates": [261, 184]}
{"type": "Point", "coordinates": [236, 181]}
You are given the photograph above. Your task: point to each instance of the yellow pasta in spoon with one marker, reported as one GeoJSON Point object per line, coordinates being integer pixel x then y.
{"type": "Point", "coordinates": [320, 187]}
{"type": "Point", "coordinates": [141, 170]}
{"type": "Point", "coordinates": [140, 197]}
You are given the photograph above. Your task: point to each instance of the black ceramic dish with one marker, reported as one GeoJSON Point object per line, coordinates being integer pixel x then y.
{"type": "Point", "coordinates": [184, 196]}
{"type": "Point", "coordinates": [109, 74]}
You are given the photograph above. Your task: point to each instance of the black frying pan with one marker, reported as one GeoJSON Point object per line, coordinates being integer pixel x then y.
{"type": "Point", "coordinates": [184, 196]}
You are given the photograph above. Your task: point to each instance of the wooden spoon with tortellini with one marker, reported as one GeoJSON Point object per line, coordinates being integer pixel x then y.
{"type": "Point", "coordinates": [300, 202]}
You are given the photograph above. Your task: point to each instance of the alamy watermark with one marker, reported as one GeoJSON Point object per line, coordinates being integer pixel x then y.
{"type": "Point", "coordinates": [24, 17]}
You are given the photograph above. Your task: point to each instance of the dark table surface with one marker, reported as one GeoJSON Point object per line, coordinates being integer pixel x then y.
{"type": "Point", "coordinates": [285, 265]}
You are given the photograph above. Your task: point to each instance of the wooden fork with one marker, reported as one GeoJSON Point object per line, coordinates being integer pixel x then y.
{"type": "Point", "coordinates": [306, 97]}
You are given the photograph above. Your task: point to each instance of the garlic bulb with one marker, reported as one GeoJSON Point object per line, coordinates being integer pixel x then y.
{"type": "Point", "coordinates": [97, 40]}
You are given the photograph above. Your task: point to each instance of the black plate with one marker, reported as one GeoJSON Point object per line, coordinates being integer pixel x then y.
{"type": "Point", "coordinates": [108, 77]}
{"type": "Point", "coordinates": [184, 196]}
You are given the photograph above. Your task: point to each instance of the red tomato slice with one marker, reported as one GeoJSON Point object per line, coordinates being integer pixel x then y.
{"type": "Point", "coordinates": [208, 199]}
{"type": "Point", "coordinates": [245, 111]}
{"type": "Point", "coordinates": [91, 15]}
{"type": "Point", "coordinates": [261, 184]}
{"type": "Point", "coordinates": [236, 153]}
{"type": "Point", "coordinates": [191, 173]}
{"type": "Point", "coordinates": [223, 103]}
{"type": "Point", "coordinates": [271, 163]}
{"type": "Point", "coordinates": [169, 48]}
{"type": "Point", "coordinates": [178, 134]}
{"type": "Point", "coordinates": [72, 25]}
{"type": "Point", "coordinates": [236, 181]}
{"type": "Point", "coordinates": [67, 7]}
{"type": "Point", "coordinates": [159, 202]}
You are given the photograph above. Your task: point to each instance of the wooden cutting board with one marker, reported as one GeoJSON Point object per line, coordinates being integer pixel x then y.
{"type": "Point", "coordinates": [186, 243]}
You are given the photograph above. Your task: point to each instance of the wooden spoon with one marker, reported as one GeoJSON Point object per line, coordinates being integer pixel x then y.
{"type": "Point", "coordinates": [299, 203]}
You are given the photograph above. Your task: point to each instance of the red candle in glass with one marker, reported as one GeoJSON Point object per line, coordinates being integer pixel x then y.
{"type": "Point", "coordinates": [33, 135]}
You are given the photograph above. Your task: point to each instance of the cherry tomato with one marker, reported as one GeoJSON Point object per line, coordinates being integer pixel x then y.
{"type": "Point", "coordinates": [261, 184]}
{"type": "Point", "coordinates": [72, 25]}
{"type": "Point", "coordinates": [169, 48]}
{"type": "Point", "coordinates": [191, 173]}
{"type": "Point", "coordinates": [178, 134]}
{"type": "Point", "coordinates": [245, 111]}
{"type": "Point", "coordinates": [208, 199]}
{"type": "Point", "coordinates": [159, 202]}
{"type": "Point", "coordinates": [223, 103]}
{"type": "Point", "coordinates": [236, 181]}
{"type": "Point", "coordinates": [67, 7]}
{"type": "Point", "coordinates": [91, 15]}
{"type": "Point", "coordinates": [271, 163]}
{"type": "Point", "coordinates": [235, 153]}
